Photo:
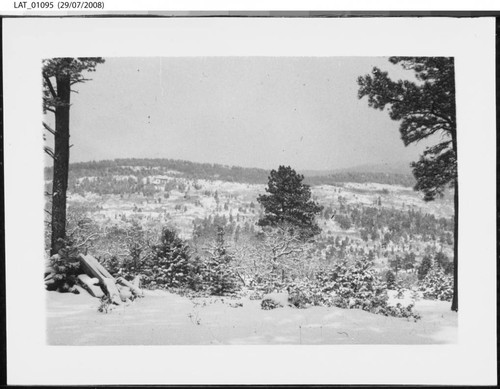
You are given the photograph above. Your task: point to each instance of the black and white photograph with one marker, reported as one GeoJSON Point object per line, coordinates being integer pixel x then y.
{"type": "Point", "coordinates": [242, 183]}
{"type": "Point", "coordinates": [259, 200]}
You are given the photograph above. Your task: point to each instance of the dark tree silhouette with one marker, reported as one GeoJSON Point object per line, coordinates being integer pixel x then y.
{"type": "Point", "coordinates": [56, 99]}
{"type": "Point", "coordinates": [288, 202]}
{"type": "Point", "coordinates": [424, 108]}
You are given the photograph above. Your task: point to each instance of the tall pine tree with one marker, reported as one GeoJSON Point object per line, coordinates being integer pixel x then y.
{"type": "Point", "coordinates": [288, 203]}
{"type": "Point", "coordinates": [424, 108]}
{"type": "Point", "coordinates": [59, 74]}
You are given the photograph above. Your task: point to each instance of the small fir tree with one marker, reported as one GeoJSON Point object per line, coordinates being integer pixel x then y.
{"type": "Point", "coordinates": [424, 267]}
{"type": "Point", "coordinates": [220, 276]}
{"type": "Point", "coordinates": [170, 263]}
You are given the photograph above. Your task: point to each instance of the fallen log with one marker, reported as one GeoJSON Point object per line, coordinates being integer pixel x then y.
{"type": "Point", "coordinates": [91, 265]}
{"type": "Point", "coordinates": [89, 284]}
{"type": "Point", "coordinates": [112, 290]}
{"type": "Point", "coordinates": [93, 268]}
{"type": "Point", "coordinates": [136, 290]}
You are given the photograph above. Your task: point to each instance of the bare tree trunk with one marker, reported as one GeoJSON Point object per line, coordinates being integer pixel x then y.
{"type": "Point", "coordinates": [61, 163]}
{"type": "Point", "coordinates": [454, 302]}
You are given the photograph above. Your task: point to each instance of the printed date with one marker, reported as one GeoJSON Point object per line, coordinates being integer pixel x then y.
{"type": "Point", "coordinates": [80, 5]}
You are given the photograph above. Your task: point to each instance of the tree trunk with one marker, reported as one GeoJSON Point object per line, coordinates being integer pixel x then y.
{"type": "Point", "coordinates": [454, 302]}
{"type": "Point", "coordinates": [61, 163]}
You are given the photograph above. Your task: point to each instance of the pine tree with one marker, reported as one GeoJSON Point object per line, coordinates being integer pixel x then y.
{"type": "Point", "coordinates": [288, 203]}
{"type": "Point", "coordinates": [171, 260]}
{"type": "Point", "coordinates": [424, 108]}
{"type": "Point", "coordinates": [220, 277]}
{"type": "Point", "coordinates": [56, 99]}
{"type": "Point", "coordinates": [424, 267]}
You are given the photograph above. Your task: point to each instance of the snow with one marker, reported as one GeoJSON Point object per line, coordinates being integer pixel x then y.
{"type": "Point", "coordinates": [162, 318]}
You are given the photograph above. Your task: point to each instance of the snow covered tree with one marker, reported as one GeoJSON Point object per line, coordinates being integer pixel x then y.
{"type": "Point", "coordinates": [424, 108]}
{"type": "Point", "coordinates": [220, 276]}
{"type": "Point", "coordinates": [170, 261]}
{"type": "Point", "coordinates": [288, 203]}
{"type": "Point", "coordinates": [56, 99]}
{"type": "Point", "coordinates": [424, 267]}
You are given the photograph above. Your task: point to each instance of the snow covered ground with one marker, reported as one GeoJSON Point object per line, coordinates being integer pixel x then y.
{"type": "Point", "coordinates": [163, 318]}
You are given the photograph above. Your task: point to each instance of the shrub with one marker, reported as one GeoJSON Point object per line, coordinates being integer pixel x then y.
{"type": "Point", "coordinates": [105, 305]}
{"type": "Point", "coordinates": [356, 285]}
{"type": "Point", "coordinates": [66, 268]}
{"type": "Point", "coordinates": [268, 283]}
{"type": "Point", "coordinates": [268, 304]}
{"type": "Point", "coordinates": [305, 293]}
{"type": "Point", "coordinates": [407, 280]}
{"type": "Point", "coordinates": [437, 285]}
{"type": "Point", "coordinates": [255, 296]}
{"type": "Point", "coordinates": [401, 311]}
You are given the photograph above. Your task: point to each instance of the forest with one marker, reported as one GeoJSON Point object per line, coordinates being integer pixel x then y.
{"type": "Point", "coordinates": [128, 222]}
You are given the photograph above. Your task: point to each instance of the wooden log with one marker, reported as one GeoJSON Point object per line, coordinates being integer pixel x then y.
{"type": "Point", "coordinates": [93, 268]}
{"type": "Point", "coordinates": [91, 265]}
{"type": "Point", "coordinates": [135, 289]}
{"type": "Point", "coordinates": [112, 290]}
{"type": "Point", "coordinates": [90, 286]}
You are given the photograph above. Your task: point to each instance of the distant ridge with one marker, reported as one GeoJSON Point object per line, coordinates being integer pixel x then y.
{"type": "Point", "coordinates": [389, 174]}
{"type": "Point", "coordinates": [398, 167]}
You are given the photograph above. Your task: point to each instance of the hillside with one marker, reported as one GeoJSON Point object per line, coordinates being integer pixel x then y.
{"type": "Point", "coordinates": [180, 224]}
{"type": "Point", "coordinates": [208, 171]}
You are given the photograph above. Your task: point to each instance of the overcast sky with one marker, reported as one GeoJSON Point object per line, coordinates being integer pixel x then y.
{"type": "Point", "coordinates": [244, 111]}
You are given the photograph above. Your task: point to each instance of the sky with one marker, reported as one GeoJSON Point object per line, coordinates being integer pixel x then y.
{"type": "Point", "coordinates": [243, 111]}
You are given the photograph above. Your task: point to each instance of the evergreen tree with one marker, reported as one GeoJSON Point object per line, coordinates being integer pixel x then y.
{"type": "Point", "coordinates": [220, 276]}
{"type": "Point", "coordinates": [56, 99]}
{"type": "Point", "coordinates": [171, 260]}
{"type": "Point", "coordinates": [390, 279]}
{"type": "Point", "coordinates": [424, 267]}
{"type": "Point", "coordinates": [424, 108]}
{"type": "Point", "coordinates": [288, 202]}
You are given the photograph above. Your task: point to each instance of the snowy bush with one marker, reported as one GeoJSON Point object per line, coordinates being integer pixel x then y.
{"type": "Point", "coordinates": [355, 285]}
{"type": "Point", "coordinates": [437, 285]}
{"type": "Point", "coordinates": [268, 304]}
{"type": "Point", "coordinates": [306, 293]}
{"type": "Point", "coordinates": [65, 267]}
{"type": "Point", "coordinates": [407, 280]}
